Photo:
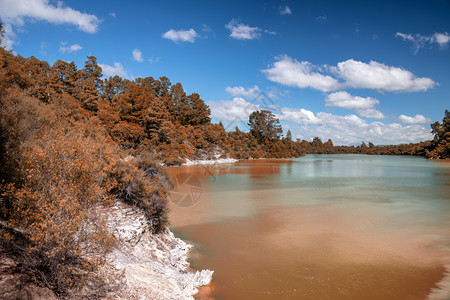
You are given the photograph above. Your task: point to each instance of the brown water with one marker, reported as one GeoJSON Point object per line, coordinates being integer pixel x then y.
{"type": "Point", "coordinates": [318, 227]}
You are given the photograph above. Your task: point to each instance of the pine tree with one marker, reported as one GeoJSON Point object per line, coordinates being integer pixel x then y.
{"type": "Point", "coordinates": [289, 135]}
{"type": "Point", "coordinates": [90, 84]}
{"type": "Point", "coordinates": [199, 114]}
{"type": "Point", "coordinates": [264, 126]}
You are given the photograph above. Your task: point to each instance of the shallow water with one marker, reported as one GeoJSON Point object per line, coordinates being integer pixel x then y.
{"type": "Point", "coordinates": [318, 227]}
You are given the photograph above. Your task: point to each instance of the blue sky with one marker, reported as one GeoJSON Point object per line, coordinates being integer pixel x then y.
{"type": "Point", "coordinates": [351, 71]}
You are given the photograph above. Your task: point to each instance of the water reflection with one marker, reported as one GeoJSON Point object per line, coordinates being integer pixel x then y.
{"type": "Point", "coordinates": [321, 227]}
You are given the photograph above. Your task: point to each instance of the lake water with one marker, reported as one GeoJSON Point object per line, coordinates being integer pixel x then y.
{"type": "Point", "coordinates": [318, 227]}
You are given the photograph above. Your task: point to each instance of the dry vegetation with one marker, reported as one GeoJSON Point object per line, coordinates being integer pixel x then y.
{"type": "Point", "coordinates": [57, 165]}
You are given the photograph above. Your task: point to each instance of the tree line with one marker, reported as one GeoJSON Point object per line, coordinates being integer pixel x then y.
{"type": "Point", "coordinates": [151, 115]}
{"type": "Point", "coordinates": [438, 148]}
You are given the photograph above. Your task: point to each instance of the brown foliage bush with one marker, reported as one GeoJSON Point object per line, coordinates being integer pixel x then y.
{"type": "Point", "coordinates": [55, 177]}
{"type": "Point", "coordinates": [141, 182]}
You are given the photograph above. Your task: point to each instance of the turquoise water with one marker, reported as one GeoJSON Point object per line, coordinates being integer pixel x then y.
{"type": "Point", "coordinates": [321, 227]}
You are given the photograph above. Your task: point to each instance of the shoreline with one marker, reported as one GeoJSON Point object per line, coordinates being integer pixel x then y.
{"type": "Point", "coordinates": [148, 266]}
{"type": "Point", "coordinates": [200, 162]}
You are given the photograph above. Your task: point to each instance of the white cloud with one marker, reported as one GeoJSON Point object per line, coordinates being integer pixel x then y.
{"type": "Point", "coordinates": [371, 113]}
{"type": "Point", "coordinates": [43, 48]}
{"type": "Point", "coordinates": [9, 38]}
{"type": "Point", "coordinates": [365, 107]}
{"type": "Point", "coordinates": [154, 60]}
{"type": "Point", "coordinates": [441, 38]}
{"type": "Point", "coordinates": [238, 110]}
{"type": "Point", "coordinates": [243, 32]}
{"type": "Point", "coordinates": [232, 111]}
{"type": "Point", "coordinates": [421, 41]}
{"type": "Point", "coordinates": [16, 11]}
{"type": "Point", "coordinates": [297, 115]}
{"type": "Point", "coordinates": [177, 36]}
{"type": "Point", "coordinates": [137, 55]}
{"type": "Point", "coordinates": [322, 19]}
{"type": "Point", "coordinates": [116, 69]}
{"type": "Point", "coordinates": [343, 130]}
{"type": "Point", "coordinates": [350, 129]}
{"type": "Point", "coordinates": [285, 10]}
{"type": "Point", "coordinates": [270, 32]}
{"type": "Point", "coordinates": [405, 37]}
{"type": "Point", "coordinates": [352, 74]}
{"type": "Point", "coordinates": [206, 28]}
{"type": "Point", "coordinates": [112, 14]}
{"type": "Point", "coordinates": [290, 72]}
{"type": "Point", "coordinates": [239, 91]}
{"type": "Point", "coordinates": [345, 100]}
{"type": "Point", "coordinates": [378, 76]}
{"type": "Point", "coordinates": [72, 48]}
{"type": "Point", "coordinates": [417, 119]}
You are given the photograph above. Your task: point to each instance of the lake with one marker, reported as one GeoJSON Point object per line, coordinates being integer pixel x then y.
{"type": "Point", "coordinates": [318, 227]}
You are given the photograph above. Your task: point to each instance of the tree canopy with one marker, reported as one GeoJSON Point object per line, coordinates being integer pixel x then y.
{"type": "Point", "coordinates": [264, 126]}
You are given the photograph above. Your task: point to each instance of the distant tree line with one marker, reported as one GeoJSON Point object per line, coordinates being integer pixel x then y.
{"type": "Point", "coordinates": [316, 146]}
{"type": "Point", "coordinates": [438, 148]}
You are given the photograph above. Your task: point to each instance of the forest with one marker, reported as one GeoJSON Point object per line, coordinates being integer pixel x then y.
{"type": "Point", "coordinates": [72, 140]}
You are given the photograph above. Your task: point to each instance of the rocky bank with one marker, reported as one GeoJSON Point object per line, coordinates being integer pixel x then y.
{"type": "Point", "coordinates": [141, 266]}
{"type": "Point", "coordinates": [149, 266]}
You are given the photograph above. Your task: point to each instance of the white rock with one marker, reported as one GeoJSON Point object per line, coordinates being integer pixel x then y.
{"type": "Point", "coordinates": [153, 266]}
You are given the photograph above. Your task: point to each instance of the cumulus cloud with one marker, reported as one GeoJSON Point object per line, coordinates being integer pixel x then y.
{"type": "Point", "coordinates": [347, 74]}
{"type": "Point", "coordinates": [9, 38]}
{"type": "Point", "coordinates": [238, 110]}
{"type": "Point", "coordinates": [177, 36]}
{"type": "Point", "coordinates": [345, 100]}
{"type": "Point", "coordinates": [239, 91]}
{"type": "Point", "coordinates": [371, 113]}
{"type": "Point", "coordinates": [442, 39]}
{"type": "Point", "coordinates": [291, 72]}
{"type": "Point", "coordinates": [417, 119]}
{"type": "Point", "coordinates": [232, 111]}
{"type": "Point", "coordinates": [421, 41]}
{"type": "Point", "coordinates": [297, 115]}
{"type": "Point", "coordinates": [242, 32]}
{"type": "Point", "coordinates": [285, 10]}
{"type": "Point", "coordinates": [17, 11]}
{"type": "Point", "coordinates": [350, 129]}
{"type": "Point", "coordinates": [116, 69]}
{"type": "Point", "coordinates": [343, 130]}
{"type": "Point", "coordinates": [365, 107]}
{"type": "Point", "coordinates": [72, 48]}
{"type": "Point", "coordinates": [137, 55]}
{"type": "Point", "coordinates": [378, 76]}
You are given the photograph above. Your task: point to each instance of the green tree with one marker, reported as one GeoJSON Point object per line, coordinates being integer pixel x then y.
{"type": "Point", "coordinates": [264, 126]}
{"type": "Point", "coordinates": [289, 135]}
{"type": "Point", "coordinates": [112, 87]}
{"type": "Point", "coordinates": [90, 84]}
{"type": "Point", "coordinates": [2, 32]}
{"type": "Point", "coordinates": [64, 77]}
{"type": "Point", "coordinates": [441, 143]}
